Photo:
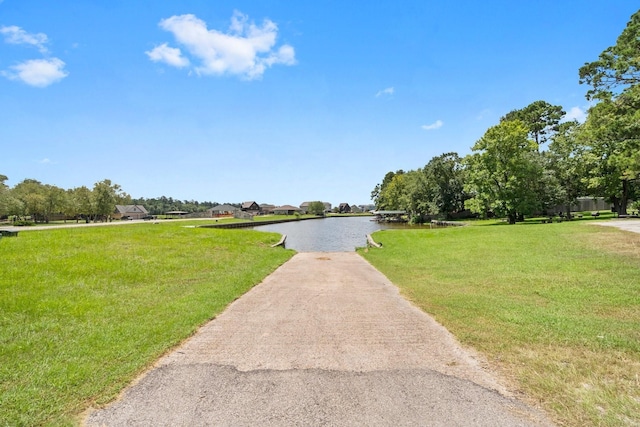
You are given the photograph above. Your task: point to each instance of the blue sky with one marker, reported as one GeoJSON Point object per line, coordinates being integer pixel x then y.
{"type": "Point", "coordinates": [276, 101]}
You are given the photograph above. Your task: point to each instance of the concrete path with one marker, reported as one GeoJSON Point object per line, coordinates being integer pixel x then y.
{"type": "Point", "coordinates": [325, 340]}
{"type": "Point", "coordinates": [627, 224]}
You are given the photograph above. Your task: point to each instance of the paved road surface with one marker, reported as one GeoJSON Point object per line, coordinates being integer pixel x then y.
{"type": "Point", "coordinates": [628, 224]}
{"type": "Point", "coordinates": [324, 340]}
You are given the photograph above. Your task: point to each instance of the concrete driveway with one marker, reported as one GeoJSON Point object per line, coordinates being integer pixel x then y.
{"type": "Point", "coordinates": [324, 340]}
{"type": "Point", "coordinates": [628, 224]}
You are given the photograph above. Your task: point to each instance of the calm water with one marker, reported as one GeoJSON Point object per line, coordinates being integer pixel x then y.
{"type": "Point", "coordinates": [333, 234]}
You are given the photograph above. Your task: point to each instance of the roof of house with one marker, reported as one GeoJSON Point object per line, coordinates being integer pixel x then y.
{"type": "Point", "coordinates": [129, 209]}
{"type": "Point", "coordinates": [286, 208]}
{"type": "Point", "coordinates": [223, 208]}
{"type": "Point", "coordinates": [247, 205]}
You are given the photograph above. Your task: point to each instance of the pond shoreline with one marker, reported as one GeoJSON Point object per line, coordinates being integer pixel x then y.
{"type": "Point", "coordinates": [249, 224]}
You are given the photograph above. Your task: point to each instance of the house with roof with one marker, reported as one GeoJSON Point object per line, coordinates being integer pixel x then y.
{"type": "Point", "coordinates": [251, 207]}
{"type": "Point", "coordinates": [344, 208]}
{"type": "Point", "coordinates": [304, 207]}
{"type": "Point", "coordinates": [222, 210]}
{"type": "Point", "coordinates": [130, 212]}
{"type": "Point", "coordinates": [286, 210]}
{"type": "Point", "coordinates": [266, 208]}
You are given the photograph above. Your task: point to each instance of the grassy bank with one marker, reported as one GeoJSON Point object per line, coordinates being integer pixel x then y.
{"type": "Point", "coordinates": [555, 307]}
{"type": "Point", "coordinates": [83, 310]}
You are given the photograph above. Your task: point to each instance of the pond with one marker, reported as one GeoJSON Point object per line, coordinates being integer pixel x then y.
{"type": "Point", "coordinates": [332, 234]}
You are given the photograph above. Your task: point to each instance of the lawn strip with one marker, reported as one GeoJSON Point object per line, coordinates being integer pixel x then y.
{"type": "Point", "coordinates": [554, 307]}
{"type": "Point", "coordinates": [84, 310]}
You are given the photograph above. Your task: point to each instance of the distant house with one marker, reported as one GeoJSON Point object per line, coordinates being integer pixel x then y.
{"type": "Point", "coordinates": [356, 209]}
{"type": "Point", "coordinates": [286, 210]}
{"type": "Point", "coordinates": [130, 212]}
{"type": "Point", "coordinates": [251, 207]}
{"type": "Point", "coordinates": [222, 210]}
{"type": "Point", "coordinates": [266, 208]}
{"type": "Point", "coordinates": [304, 207]}
{"type": "Point", "coordinates": [344, 208]}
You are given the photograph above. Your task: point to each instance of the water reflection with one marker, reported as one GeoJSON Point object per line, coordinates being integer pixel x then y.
{"type": "Point", "coordinates": [332, 234]}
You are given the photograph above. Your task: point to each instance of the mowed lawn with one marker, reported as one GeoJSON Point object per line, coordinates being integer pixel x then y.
{"type": "Point", "coordinates": [84, 310]}
{"type": "Point", "coordinates": [554, 307]}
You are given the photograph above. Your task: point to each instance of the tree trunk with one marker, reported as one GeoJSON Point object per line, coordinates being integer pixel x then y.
{"type": "Point", "coordinates": [624, 199]}
{"type": "Point", "coordinates": [512, 217]}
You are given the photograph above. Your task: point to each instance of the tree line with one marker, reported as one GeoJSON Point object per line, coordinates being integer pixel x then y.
{"type": "Point", "coordinates": [161, 205]}
{"type": "Point", "coordinates": [532, 160]}
{"type": "Point", "coordinates": [43, 202]}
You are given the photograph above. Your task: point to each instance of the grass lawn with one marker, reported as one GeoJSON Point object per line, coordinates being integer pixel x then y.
{"type": "Point", "coordinates": [84, 310]}
{"type": "Point", "coordinates": [554, 307]}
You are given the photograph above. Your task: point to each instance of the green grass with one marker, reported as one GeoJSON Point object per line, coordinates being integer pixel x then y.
{"type": "Point", "coordinates": [554, 307]}
{"type": "Point", "coordinates": [84, 310]}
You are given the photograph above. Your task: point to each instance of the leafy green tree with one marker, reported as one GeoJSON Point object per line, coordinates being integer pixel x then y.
{"type": "Point", "coordinates": [84, 198]}
{"type": "Point", "coordinates": [612, 136]}
{"type": "Point", "coordinates": [316, 208]}
{"type": "Point", "coordinates": [106, 196]}
{"type": "Point", "coordinates": [394, 194]}
{"type": "Point", "coordinates": [55, 200]}
{"type": "Point", "coordinates": [380, 193]}
{"type": "Point", "coordinates": [540, 117]}
{"type": "Point", "coordinates": [566, 162]}
{"type": "Point", "coordinates": [445, 175]}
{"type": "Point", "coordinates": [435, 190]}
{"type": "Point", "coordinates": [9, 204]}
{"type": "Point", "coordinates": [612, 129]}
{"type": "Point", "coordinates": [412, 193]}
{"type": "Point", "coordinates": [78, 203]}
{"type": "Point", "coordinates": [617, 67]}
{"type": "Point", "coordinates": [4, 195]}
{"type": "Point", "coordinates": [31, 194]}
{"type": "Point", "coordinates": [504, 172]}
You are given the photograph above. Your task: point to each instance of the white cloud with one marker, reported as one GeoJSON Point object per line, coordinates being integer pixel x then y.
{"type": "Point", "coordinates": [37, 72]}
{"type": "Point", "coordinates": [44, 161]}
{"type": "Point", "coordinates": [387, 91]}
{"type": "Point", "coordinates": [168, 55]}
{"type": "Point", "coordinates": [435, 125]}
{"type": "Point", "coordinates": [576, 113]}
{"type": "Point", "coordinates": [16, 35]}
{"type": "Point", "coordinates": [246, 49]}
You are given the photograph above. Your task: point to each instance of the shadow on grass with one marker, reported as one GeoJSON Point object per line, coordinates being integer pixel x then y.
{"type": "Point", "coordinates": [578, 217]}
